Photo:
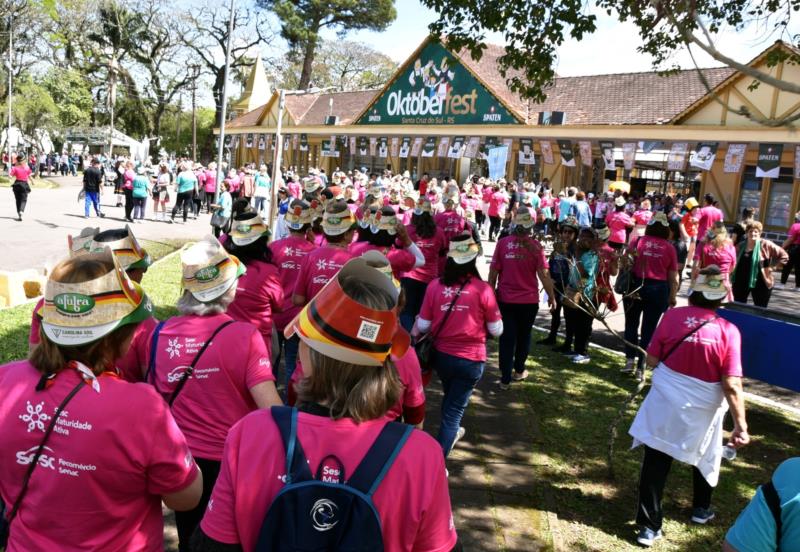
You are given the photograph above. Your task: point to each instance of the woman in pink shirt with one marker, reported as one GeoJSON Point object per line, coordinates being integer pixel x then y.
{"type": "Point", "coordinates": [517, 262]}
{"type": "Point", "coordinates": [641, 217]}
{"type": "Point", "coordinates": [349, 384]}
{"type": "Point", "coordinates": [391, 239]}
{"type": "Point", "coordinates": [234, 183]}
{"type": "Point", "coordinates": [88, 457]}
{"type": "Point", "coordinates": [717, 249]}
{"type": "Point", "coordinates": [210, 185]}
{"type": "Point", "coordinates": [259, 293]}
{"type": "Point", "coordinates": [792, 246]}
{"type": "Point", "coordinates": [20, 173]}
{"type": "Point", "coordinates": [498, 203]}
{"type": "Point", "coordinates": [459, 309]}
{"type": "Point", "coordinates": [618, 222]}
{"type": "Point", "coordinates": [431, 241]}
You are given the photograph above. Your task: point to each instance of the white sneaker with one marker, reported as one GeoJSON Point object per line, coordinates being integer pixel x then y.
{"type": "Point", "coordinates": [459, 434]}
{"type": "Point", "coordinates": [519, 376]}
{"type": "Point", "coordinates": [581, 359]}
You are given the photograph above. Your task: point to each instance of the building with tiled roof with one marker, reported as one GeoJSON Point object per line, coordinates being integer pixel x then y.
{"type": "Point", "coordinates": [651, 129]}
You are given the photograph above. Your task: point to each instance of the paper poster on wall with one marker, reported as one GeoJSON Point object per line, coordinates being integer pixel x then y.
{"type": "Point", "coordinates": [607, 152]}
{"type": "Point", "coordinates": [796, 167]}
{"type": "Point", "coordinates": [416, 147]}
{"type": "Point", "coordinates": [430, 147]}
{"type": "Point", "coordinates": [526, 156]}
{"type": "Point", "coordinates": [383, 147]}
{"type": "Point", "coordinates": [676, 161]}
{"type": "Point", "coordinates": [567, 156]}
{"type": "Point", "coordinates": [585, 148]}
{"type": "Point", "coordinates": [703, 157]}
{"type": "Point", "coordinates": [373, 146]}
{"type": "Point", "coordinates": [471, 150]}
{"type": "Point", "coordinates": [405, 147]}
{"type": "Point", "coordinates": [497, 159]}
{"type": "Point", "coordinates": [769, 160]}
{"type": "Point", "coordinates": [444, 143]}
{"type": "Point", "coordinates": [394, 145]}
{"type": "Point", "coordinates": [734, 158]}
{"type": "Point", "coordinates": [628, 155]}
{"type": "Point", "coordinates": [456, 148]}
{"type": "Point", "coordinates": [547, 152]}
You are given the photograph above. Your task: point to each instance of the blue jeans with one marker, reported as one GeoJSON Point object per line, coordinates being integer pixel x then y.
{"type": "Point", "coordinates": [89, 199]}
{"type": "Point", "coordinates": [515, 342]}
{"type": "Point", "coordinates": [290, 347]}
{"type": "Point", "coordinates": [652, 303]}
{"type": "Point", "coordinates": [459, 377]}
{"type": "Point", "coordinates": [415, 293]}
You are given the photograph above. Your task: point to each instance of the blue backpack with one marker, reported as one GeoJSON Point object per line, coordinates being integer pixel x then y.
{"type": "Point", "coordinates": [310, 514]}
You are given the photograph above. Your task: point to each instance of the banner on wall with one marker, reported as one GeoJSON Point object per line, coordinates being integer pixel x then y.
{"type": "Point", "coordinates": [456, 149]}
{"type": "Point", "coordinates": [648, 146]}
{"type": "Point", "coordinates": [352, 141]}
{"type": "Point", "coordinates": [444, 146]}
{"type": "Point", "coordinates": [373, 146]}
{"type": "Point", "coordinates": [248, 143]}
{"type": "Point", "coordinates": [295, 141]}
{"type": "Point", "coordinates": [509, 143]}
{"type": "Point", "coordinates": [471, 149]}
{"type": "Point", "coordinates": [526, 156]}
{"type": "Point", "coordinates": [585, 149]}
{"type": "Point", "coordinates": [769, 160]}
{"type": "Point", "coordinates": [304, 142]}
{"type": "Point", "coordinates": [262, 143]}
{"type": "Point", "coordinates": [607, 151]}
{"type": "Point", "coordinates": [567, 156]}
{"type": "Point", "coordinates": [796, 169]}
{"type": "Point", "coordinates": [628, 155]}
{"type": "Point", "coordinates": [430, 147]}
{"type": "Point", "coordinates": [363, 146]}
{"type": "Point", "coordinates": [228, 141]}
{"type": "Point", "coordinates": [734, 158]}
{"type": "Point", "coordinates": [268, 145]}
{"type": "Point", "coordinates": [405, 147]}
{"type": "Point", "coordinates": [496, 159]}
{"type": "Point", "coordinates": [676, 160]}
{"type": "Point", "coordinates": [394, 146]}
{"type": "Point", "coordinates": [488, 143]}
{"type": "Point", "coordinates": [703, 157]}
{"type": "Point", "coordinates": [547, 152]}
{"type": "Point", "coordinates": [329, 148]}
{"type": "Point", "coordinates": [383, 147]}
{"type": "Point", "coordinates": [416, 147]}
{"type": "Point", "coordinates": [287, 143]}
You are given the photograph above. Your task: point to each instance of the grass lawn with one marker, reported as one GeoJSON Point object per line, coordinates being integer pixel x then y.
{"type": "Point", "coordinates": [36, 183]}
{"type": "Point", "coordinates": [161, 282]}
{"type": "Point", "coordinates": [574, 405]}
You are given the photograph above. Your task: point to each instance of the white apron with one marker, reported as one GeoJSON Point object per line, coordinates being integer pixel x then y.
{"type": "Point", "coordinates": [682, 417]}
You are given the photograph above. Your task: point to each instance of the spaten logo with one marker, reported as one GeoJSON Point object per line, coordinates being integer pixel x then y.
{"type": "Point", "coordinates": [73, 303]}
{"type": "Point", "coordinates": [323, 514]}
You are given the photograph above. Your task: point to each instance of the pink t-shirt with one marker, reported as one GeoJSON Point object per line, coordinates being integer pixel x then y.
{"type": "Point", "coordinates": [432, 249]}
{"type": "Point", "coordinates": [21, 172]}
{"type": "Point", "coordinates": [711, 353]}
{"type": "Point", "coordinates": [724, 257]}
{"type": "Point", "coordinates": [295, 189]}
{"type": "Point", "coordinates": [259, 294]}
{"type": "Point", "coordinates": [707, 216]}
{"type": "Point", "coordinates": [405, 216]}
{"type": "Point", "coordinates": [211, 182]}
{"type": "Point", "coordinates": [655, 258]}
{"type": "Point", "coordinates": [412, 501]}
{"type": "Point", "coordinates": [218, 393]}
{"type": "Point", "coordinates": [642, 217]}
{"type": "Point", "coordinates": [464, 334]}
{"type": "Point", "coordinates": [318, 267]}
{"type": "Point", "coordinates": [497, 204]}
{"type": "Point", "coordinates": [411, 377]}
{"type": "Point", "coordinates": [402, 260]}
{"type": "Point", "coordinates": [98, 485]}
{"type": "Point", "coordinates": [451, 223]}
{"type": "Point", "coordinates": [618, 222]}
{"type": "Point", "coordinates": [794, 234]}
{"type": "Point", "coordinates": [127, 179]}
{"type": "Point", "coordinates": [517, 261]}
{"type": "Point", "coordinates": [288, 255]}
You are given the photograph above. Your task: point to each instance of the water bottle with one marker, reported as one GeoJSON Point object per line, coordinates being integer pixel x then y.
{"type": "Point", "coordinates": [728, 452]}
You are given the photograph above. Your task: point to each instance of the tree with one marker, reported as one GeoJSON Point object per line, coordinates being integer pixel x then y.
{"type": "Point", "coordinates": [345, 65]}
{"type": "Point", "coordinates": [33, 108]}
{"type": "Point", "coordinates": [533, 30]}
{"type": "Point", "coordinates": [72, 96]}
{"type": "Point", "coordinates": [303, 20]}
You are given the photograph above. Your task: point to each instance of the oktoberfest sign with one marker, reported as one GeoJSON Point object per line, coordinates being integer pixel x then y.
{"type": "Point", "coordinates": [769, 160]}
{"type": "Point", "coordinates": [433, 89]}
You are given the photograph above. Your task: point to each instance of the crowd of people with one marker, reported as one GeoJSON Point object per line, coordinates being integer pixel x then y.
{"type": "Point", "coordinates": [370, 285]}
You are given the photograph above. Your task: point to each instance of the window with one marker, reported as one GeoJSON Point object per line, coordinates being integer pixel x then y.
{"type": "Point", "coordinates": [779, 202]}
{"type": "Point", "coordinates": [751, 191]}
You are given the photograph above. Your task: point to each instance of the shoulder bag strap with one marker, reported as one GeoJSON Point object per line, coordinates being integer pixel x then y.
{"type": "Point", "coordinates": [685, 337]}
{"type": "Point", "coordinates": [774, 504]}
{"type": "Point", "coordinates": [450, 309]}
{"type": "Point", "coordinates": [188, 373]}
{"type": "Point", "coordinates": [32, 466]}
{"type": "Point", "coordinates": [380, 457]}
{"type": "Point", "coordinates": [151, 364]}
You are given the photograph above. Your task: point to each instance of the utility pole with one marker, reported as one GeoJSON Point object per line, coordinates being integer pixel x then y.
{"type": "Point", "coordinates": [178, 125]}
{"type": "Point", "coordinates": [224, 113]}
{"type": "Point", "coordinates": [195, 75]}
{"type": "Point", "coordinates": [276, 164]}
{"type": "Point", "coordinates": [10, 71]}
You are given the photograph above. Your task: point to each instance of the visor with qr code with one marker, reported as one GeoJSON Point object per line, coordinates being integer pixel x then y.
{"type": "Point", "coordinates": [340, 327]}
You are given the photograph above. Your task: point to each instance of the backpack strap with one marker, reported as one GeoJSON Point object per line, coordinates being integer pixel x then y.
{"type": "Point", "coordinates": [774, 504]}
{"type": "Point", "coordinates": [151, 365]}
{"type": "Point", "coordinates": [296, 464]}
{"type": "Point", "coordinates": [190, 370]}
{"type": "Point", "coordinates": [380, 457]}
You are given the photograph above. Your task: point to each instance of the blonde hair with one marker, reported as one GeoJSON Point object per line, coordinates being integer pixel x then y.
{"type": "Point", "coordinates": [50, 358]}
{"type": "Point", "coordinates": [720, 238]}
{"type": "Point", "coordinates": [350, 390]}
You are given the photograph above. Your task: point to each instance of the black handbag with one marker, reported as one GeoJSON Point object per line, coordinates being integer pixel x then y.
{"type": "Point", "coordinates": [423, 345]}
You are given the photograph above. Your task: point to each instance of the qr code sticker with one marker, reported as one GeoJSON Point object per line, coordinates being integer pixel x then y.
{"type": "Point", "coordinates": [368, 331]}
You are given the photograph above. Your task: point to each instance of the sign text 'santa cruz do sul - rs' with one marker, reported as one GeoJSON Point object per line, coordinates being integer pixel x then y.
{"type": "Point", "coordinates": [436, 89]}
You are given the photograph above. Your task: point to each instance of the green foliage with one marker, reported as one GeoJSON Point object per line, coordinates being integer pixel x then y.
{"type": "Point", "coordinates": [33, 107]}
{"type": "Point", "coordinates": [71, 94]}
{"type": "Point", "coordinates": [205, 136]}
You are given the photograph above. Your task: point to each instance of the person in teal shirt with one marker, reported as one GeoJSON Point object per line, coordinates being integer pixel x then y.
{"type": "Point", "coordinates": [262, 192]}
{"type": "Point", "coordinates": [755, 529]}
{"type": "Point", "coordinates": [583, 271]}
{"type": "Point", "coordinates": [222, 210]}
{"type": "Point", "coordinates": [141, 187]}
{"type": "Point", "coordinates": [186, 185]}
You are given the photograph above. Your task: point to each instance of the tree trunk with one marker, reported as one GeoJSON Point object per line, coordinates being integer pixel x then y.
{"type": "Point", "coordinates": [216, 91]}
{"type": "Point", "coordinates": [308, 61]}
